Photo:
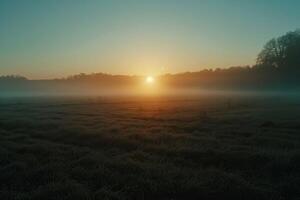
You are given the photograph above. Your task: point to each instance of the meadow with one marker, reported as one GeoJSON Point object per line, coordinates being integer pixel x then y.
{"type": "Point", "coordinates": [198, 147]}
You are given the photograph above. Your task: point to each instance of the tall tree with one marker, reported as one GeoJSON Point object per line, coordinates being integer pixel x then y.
{"type": "Point", "coordinates": [282, 52]}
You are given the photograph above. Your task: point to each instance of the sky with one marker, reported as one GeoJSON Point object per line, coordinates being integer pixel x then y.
{"type": "Point", "coordinates": [43, 39]}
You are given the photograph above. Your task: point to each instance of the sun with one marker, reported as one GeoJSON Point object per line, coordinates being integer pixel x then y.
{"type": "Point", "coordinates": [150, 79]}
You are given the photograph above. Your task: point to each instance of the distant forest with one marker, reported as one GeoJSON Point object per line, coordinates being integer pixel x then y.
{"type": "Point", "coordinates": [277, 68]}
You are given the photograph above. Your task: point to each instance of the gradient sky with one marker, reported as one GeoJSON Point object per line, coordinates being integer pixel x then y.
{"type": "Point", "coordinates": [57, 38]}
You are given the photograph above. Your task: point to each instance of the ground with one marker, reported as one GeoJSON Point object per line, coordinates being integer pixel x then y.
{"type": "Point", "coordinates": [209, 147]}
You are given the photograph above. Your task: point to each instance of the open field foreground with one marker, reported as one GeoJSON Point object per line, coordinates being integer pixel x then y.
{"type": "Point", "coordinates": [150, 148]}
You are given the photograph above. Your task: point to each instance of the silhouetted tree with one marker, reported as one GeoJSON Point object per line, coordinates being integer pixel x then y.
{"type": "Point", "coordinates": [282, 52]}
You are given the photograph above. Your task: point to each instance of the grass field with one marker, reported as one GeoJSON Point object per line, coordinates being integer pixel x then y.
{"type": "Point", "coordinates": [210, 147]}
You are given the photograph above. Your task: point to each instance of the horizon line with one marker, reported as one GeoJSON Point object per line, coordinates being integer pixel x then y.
{"type": "Point", "coordinates": [129, 75]}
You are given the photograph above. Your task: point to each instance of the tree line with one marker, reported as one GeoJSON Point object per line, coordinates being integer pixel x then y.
{"type": "Point", "coordinates": [277, 66]}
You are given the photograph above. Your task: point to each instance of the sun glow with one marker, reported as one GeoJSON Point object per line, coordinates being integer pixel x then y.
{"type": "Point", "coordinates": [150, 80]}
{"type": "Point", "coordinates": [150, 86]}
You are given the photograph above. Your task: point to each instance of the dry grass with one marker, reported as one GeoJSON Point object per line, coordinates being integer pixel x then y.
{"type": "Point", "coordinates": [149, 148]}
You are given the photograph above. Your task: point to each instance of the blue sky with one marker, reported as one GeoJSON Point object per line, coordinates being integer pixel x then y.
{"type": "Point", "coordinates": [56, 38]}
